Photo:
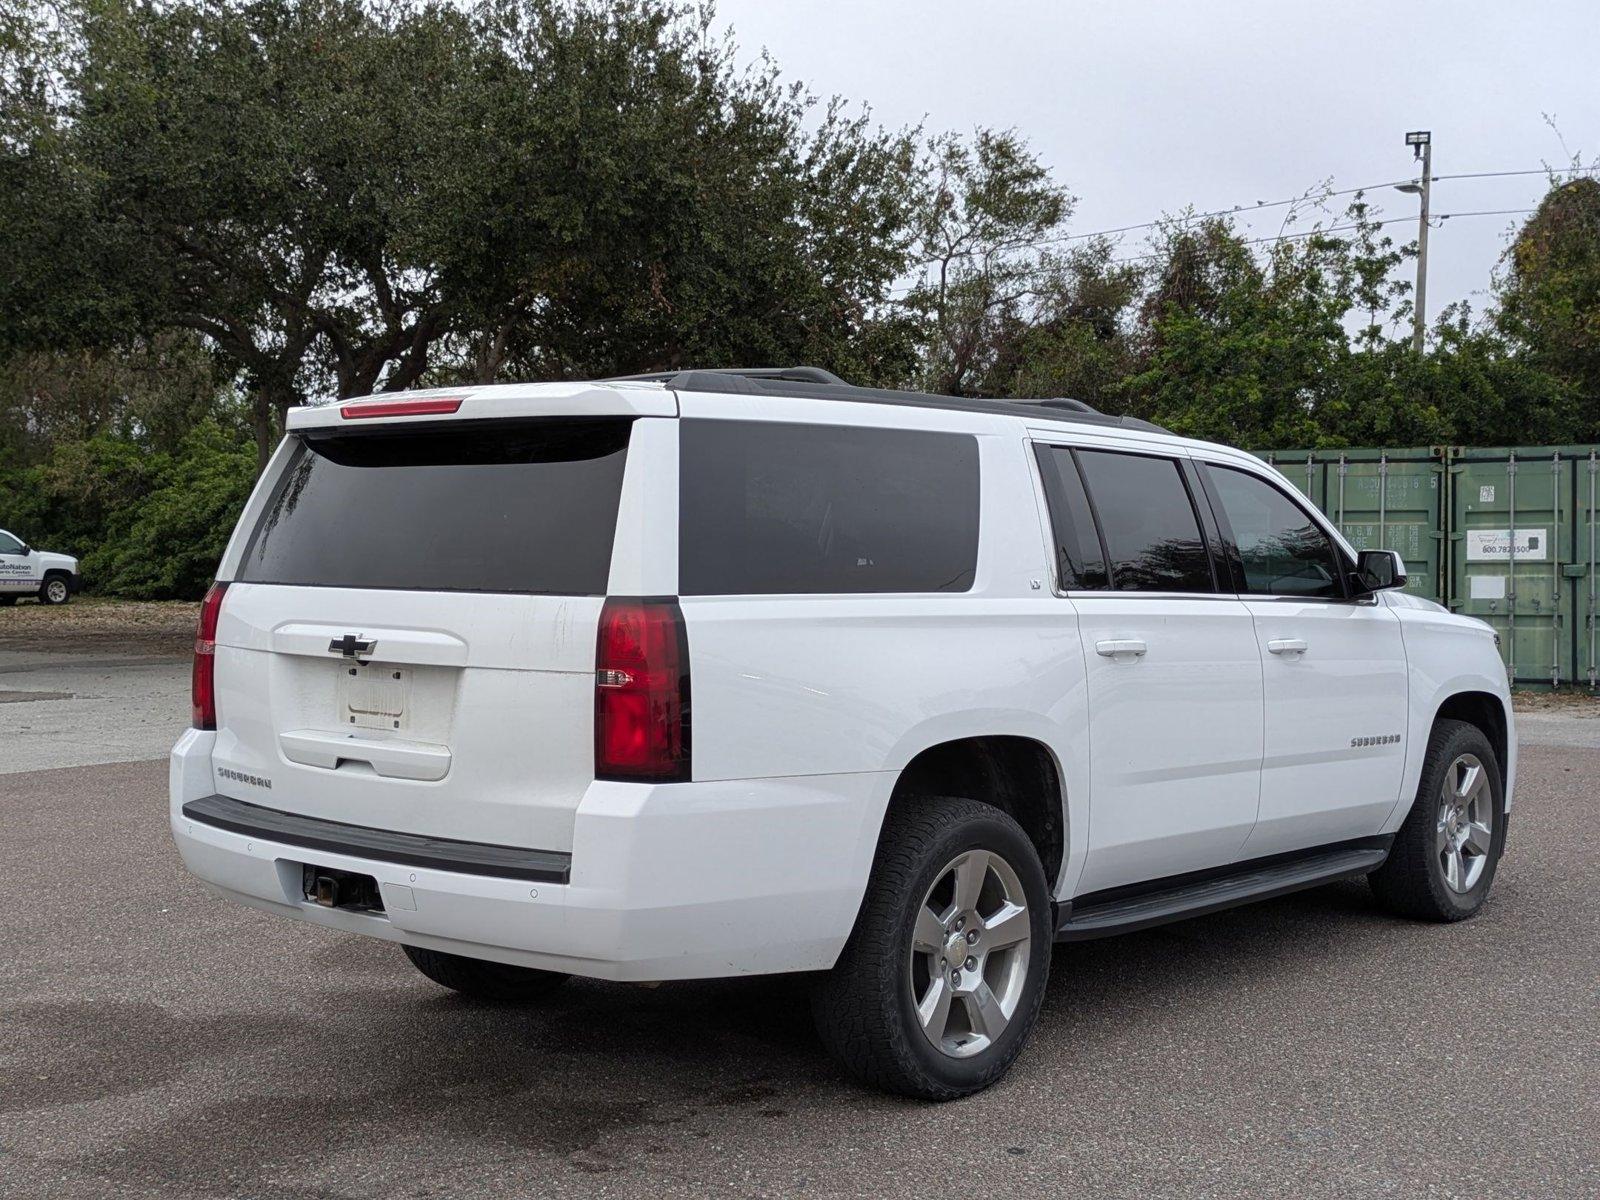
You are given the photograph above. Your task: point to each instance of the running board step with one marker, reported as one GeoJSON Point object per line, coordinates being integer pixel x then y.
{"type": "Point", "coordinates": [1125, 913]}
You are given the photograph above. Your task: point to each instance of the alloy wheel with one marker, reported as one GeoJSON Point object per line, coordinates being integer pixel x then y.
{"type": "Point", "coordinates": [1464, 830]}
{"type": "Point", "coordinates": [970, 947]}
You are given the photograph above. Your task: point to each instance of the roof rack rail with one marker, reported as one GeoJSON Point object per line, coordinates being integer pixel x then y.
{"type": "Point", "coordinates": [1062, 402]}
{"type": "Point", "coordinates": [814, 383]}
{"type": "Point", "coordinates": [789, 374]}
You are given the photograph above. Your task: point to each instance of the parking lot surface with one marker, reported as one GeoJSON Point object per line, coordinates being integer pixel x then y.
{"type": "Point", "coordinates": [156, 1041]}
{"type": "Point", "coordinates": [92, 682]}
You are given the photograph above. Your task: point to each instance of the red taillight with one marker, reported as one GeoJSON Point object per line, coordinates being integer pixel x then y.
{"type": "Point", "coordinates": [641, 694]}
{"type": "Point", "coordinates": [203, 683]}
{"type": "Point", "coordinates": [438, 406]}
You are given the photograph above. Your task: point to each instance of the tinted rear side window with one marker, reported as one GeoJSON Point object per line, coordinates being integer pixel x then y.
{"type": "Point", "coordinates": [768, 508]}
{"type": "Point", "coordinates": [1149, 522]}
{"type": "Point", "coordinates": [502, 507]}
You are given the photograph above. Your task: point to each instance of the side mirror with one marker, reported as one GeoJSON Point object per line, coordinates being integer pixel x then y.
{"type": "Point", "coordinates": [1380, 570]}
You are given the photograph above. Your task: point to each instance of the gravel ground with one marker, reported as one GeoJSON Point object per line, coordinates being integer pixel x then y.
{"type": "Point", "coordinates": [159, 1042]}
{"type": "Point", "coordinates": [89, 623]}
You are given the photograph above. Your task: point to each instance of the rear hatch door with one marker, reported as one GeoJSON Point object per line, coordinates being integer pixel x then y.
{"type": "Point", "coordinates": [408, 641]}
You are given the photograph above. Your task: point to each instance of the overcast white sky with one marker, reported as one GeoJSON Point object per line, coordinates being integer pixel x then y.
{"type": "Point", "coordinates": [1144, 107]}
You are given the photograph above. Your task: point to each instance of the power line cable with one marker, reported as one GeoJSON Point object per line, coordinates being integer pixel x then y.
{"type": "Point", "coordinates": [1306, 233]}
{"type": "Point", "coordinates": [898, 294]}
{"type": "Point", "coordinates": [1307, 197]}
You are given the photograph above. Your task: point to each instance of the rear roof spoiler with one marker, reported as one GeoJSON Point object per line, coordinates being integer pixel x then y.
{"type": "Point", "coordinates": [486, 402]}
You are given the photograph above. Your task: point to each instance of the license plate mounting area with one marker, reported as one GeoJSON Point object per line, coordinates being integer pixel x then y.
{"type": "Point", "coordinates": [374, 697]}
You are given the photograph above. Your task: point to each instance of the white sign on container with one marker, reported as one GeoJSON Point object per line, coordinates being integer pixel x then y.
{"type": "Point", "coordinates": [1488, 587]}
{"type": "Point", "coordinates": [1494, 545]}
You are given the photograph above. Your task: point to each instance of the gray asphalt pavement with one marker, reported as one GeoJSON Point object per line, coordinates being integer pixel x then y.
{"type": "Point", "coordinates": [155, 1041]}
{"type": "Point", "coordinates": [100, 706]}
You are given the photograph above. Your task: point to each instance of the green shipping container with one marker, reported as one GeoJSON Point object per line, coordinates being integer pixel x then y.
{"type": "Point", "coordinates": [1506, 534]}
{"type": "Point", "coordinates": [1521, 556]}
{"type": "Point", "coordinates": [1393, 500]}
{"type": "Point", "coordinates": [1302, 468]}
{"type": "Point", "coordinates": [1380, 499]}
{"type": "Point", "coordinates": [1586, 541]}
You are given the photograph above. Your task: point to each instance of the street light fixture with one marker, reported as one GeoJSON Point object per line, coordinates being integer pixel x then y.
{"type": "Point", "coordinates": [1421, 143]}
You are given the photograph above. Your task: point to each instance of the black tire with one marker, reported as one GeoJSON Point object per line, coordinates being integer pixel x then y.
{"type": "Point", "coordinates": [56, 589]}
{"type": "Point", "coordinates": [1412, 881]}
{"type": "Point", "coordinates": [7, 601]}
{"type": "Point", "coordinates": [483, 980]}
{"type": "Point", "coordinates": [864, 1007]}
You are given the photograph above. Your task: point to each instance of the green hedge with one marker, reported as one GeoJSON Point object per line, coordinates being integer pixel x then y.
{"type": "Point", "coordinates": [148, 525]}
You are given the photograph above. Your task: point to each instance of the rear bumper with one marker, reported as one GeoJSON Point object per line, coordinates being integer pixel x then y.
{"type": "Point", "coordinates": [675, 881]}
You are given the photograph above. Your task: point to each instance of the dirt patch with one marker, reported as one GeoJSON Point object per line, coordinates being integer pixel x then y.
{"type": "Point", "coordinates": [91, 623]}
{"type": "Point", "coordinates": [1574, 702]}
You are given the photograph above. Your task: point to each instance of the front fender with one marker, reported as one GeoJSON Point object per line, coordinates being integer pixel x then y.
{"type": "Point", "coordinates": [1448, 656]}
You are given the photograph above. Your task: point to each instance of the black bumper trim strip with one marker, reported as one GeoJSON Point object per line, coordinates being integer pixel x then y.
{"type": "Point", "coordinates": [387, 845]}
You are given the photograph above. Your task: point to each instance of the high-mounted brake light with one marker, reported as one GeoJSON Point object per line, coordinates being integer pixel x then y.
{"type": "Point", "coordinates": [641, 692]}
{"type": "Point", "coordinates": [203, 681]}
{"type": "Point", "coordinates": [437, 406]}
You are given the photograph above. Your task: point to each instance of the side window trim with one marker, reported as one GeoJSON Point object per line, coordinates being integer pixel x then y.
{"type": "Point", "coordinates": [1219, 517]}
{"type": "Point", "coordinates": [1227, 572]}
{"type": "Point", "coordinates": [1070, 513]}
{"type": "Point", "coordinates": [1179, 461]}
{"type": "Point", "coordinates": [1236, 559]}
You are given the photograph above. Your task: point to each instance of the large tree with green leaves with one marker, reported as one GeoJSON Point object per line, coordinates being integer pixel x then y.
{"type": "Point", "coordinates": [260, 165]}
{"type": "Point", "coordinates": [987, 217]}
{"type": "Point", "coordinates": [643, 203]}
{"type": "Point", "coordinates": [1549, 296]}
{"type": "Point", "coordinates": [342, 197]}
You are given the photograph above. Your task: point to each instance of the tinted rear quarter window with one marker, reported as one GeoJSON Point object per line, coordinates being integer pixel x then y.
{"type": "Point", "coordinates": [770, 508]}
{"type": "Point", "coordinates": [487, 506]}
{"type": "Point", "coordinates": [1151, 531]}
{"type": "Point", "coordinates": [1080, 562]}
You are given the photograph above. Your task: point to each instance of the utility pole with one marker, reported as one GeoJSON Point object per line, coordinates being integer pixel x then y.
{"type": "Point", "coordinates": [1421, 143]}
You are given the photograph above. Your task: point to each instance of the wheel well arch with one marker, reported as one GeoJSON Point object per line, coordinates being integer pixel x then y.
{"type": "Point", "coordinates": [1483, 709]}
{"type": "Point", "coordinates": [1018, 775]}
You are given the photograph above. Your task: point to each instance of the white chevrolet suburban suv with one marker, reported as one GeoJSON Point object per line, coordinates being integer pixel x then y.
{"type": "Point", "coordinates": [727, 672]}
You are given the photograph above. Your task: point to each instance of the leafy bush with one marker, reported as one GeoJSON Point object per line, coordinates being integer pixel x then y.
{"type": "Point", "coordinates": [145, 524]}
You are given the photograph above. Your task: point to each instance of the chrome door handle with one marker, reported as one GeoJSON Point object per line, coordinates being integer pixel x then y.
{"type": "Point", "coordinates": [1287, 646]}
{"type": "Point", "coordinates": [1129, 646]}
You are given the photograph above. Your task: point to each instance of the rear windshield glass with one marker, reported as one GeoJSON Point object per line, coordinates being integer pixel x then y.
{"type": "Point", "coordinates": [501, 507]}
{"type": "Point", "coordinates": [768, 508]}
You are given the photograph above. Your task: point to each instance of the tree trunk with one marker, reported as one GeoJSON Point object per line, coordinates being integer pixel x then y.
{"type": "Point", "coordinates": [269, 410]}
{"type": "Point", "coordinates": [261, 421]}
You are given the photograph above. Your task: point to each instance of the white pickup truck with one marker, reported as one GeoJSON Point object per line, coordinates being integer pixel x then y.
{"type": "Point", "coordinates": [28, 571]}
